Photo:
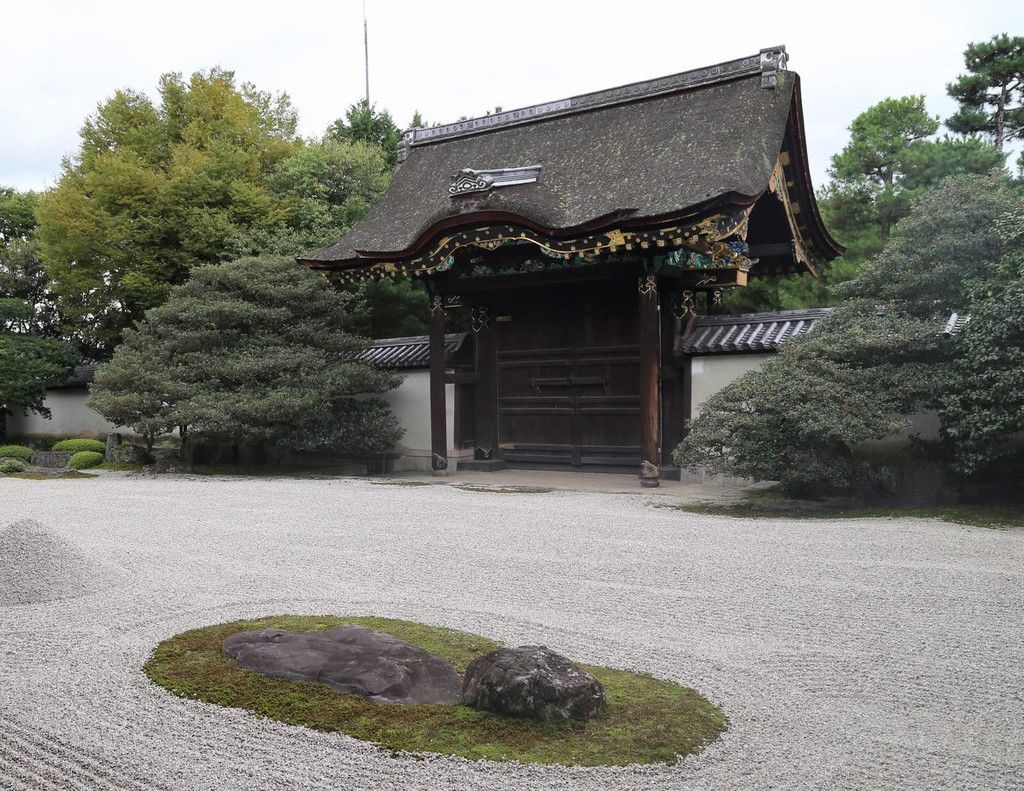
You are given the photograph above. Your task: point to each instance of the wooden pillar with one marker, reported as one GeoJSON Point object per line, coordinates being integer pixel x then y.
{"type": "Point", "coordinates": [486, 432]}
{"type": "Point", "coordinates": [650, 356]}
{"type": "Point", "coordinates": [673, 419]}
{"type": "Point", "coordinates": [438, 405]}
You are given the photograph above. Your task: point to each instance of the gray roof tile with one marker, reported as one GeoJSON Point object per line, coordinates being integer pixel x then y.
{"type": "Point", "coordinates": [749, 332]}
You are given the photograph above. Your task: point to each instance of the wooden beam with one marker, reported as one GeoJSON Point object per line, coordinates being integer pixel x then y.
{"type": "Point", "coordinates": [650, 357]}
{"type": "Point", "coordinates": [438, 407]}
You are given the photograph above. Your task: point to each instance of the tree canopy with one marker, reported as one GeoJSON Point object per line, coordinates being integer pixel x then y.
{"type": "Point", "coordinates": [880, 355]}
{"type": "Point", "coordinates": [247, 351]}
{"type": "Point", "coordinates": [28, 362]}
{"type": "Point", "coordinates": [155, 190]}
{"type": "Point", "coordinates": [991, 94]}
{"type": "Point", "coordinates": [318, 194]}
{"type": "Point", "coordinates": [364, 123]}
{"type": "Point", "coordinates": [28, 359]}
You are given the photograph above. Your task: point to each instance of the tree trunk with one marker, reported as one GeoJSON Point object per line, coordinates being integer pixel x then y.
{"type": "Point", "coordinates": [185, 454]}
{"type": "Point", "coordinates": [1001, 119]}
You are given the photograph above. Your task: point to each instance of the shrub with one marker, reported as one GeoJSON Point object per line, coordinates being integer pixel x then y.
{"type": "Point", "coordinates": [17, 452]}
{"type": "Point", "coordinates": [85, 459]}
{"type": "Point", "coordinates": [77, 445]}
{"type": "Point", "coordinates": [11, 465]}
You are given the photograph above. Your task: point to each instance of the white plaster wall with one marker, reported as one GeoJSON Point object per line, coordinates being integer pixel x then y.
{"type": "Point", "coordinates": [410, 402]}
{"type": "Point", "coordinates": [69, 416]}
{"type": "Point", "coordinates": [710, 374]}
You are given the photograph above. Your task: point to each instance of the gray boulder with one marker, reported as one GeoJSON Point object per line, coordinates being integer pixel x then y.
{"type": "Point", "coordinates": [113, 440]}
{"type": "Point", "coordinates": [350, 659]}
{"type": "Point", "coordinates": [532, 681]}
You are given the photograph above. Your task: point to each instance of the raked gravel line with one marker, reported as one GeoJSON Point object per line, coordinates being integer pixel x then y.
{"type": "Point", "coordinates": [868, 654]}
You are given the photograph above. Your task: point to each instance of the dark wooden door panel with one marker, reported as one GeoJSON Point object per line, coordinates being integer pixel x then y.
{"type": "Point", "coordinates": [568, 389]}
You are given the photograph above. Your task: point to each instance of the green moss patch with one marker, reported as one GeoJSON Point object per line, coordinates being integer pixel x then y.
{"type": "Point", "coordinates": [974, 515]}
{"type": "Point", "coordinates": [119, 466]}
{"type": "Point", "coordinates": [469, 487]}
{"type": "Point", "coordinates": [63, 475]}
{"type": "Point", "coordinates": [647, 720]}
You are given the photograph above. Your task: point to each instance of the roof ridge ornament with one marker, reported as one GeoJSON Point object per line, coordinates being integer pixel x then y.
{"type": "Point", "coordinates": [468, 180]}
{"type": "Point", "coordinates": [768, 62]}
{"type": "Point", "coordinates": [773, 60]}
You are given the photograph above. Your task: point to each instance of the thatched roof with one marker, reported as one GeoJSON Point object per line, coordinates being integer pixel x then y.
{"type": "Point", "coordinates": [632, 154]}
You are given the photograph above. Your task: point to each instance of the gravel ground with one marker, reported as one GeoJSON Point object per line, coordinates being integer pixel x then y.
{"type": "Point", "coordinates": [854, 654]}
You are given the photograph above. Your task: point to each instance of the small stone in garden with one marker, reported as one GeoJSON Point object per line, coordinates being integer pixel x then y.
{"type": "Point", "coordinates": [532, 681]}
{"type": "Point", "coordinates": [350, 659]}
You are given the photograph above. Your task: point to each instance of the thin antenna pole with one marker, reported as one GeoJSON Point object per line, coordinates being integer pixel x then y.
{"type": "Point", "coordinates": [366, 49]}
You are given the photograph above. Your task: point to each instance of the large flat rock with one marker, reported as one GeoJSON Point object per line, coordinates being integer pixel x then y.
{"type": "Point", "coordinates": [350, 659]}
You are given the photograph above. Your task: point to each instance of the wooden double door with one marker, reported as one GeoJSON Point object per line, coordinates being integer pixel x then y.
{"type": "Point", "coordinates": [568, 386]}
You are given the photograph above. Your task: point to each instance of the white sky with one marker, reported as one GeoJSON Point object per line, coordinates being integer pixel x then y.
{"type": "Point", "coordinates": [449, 58]}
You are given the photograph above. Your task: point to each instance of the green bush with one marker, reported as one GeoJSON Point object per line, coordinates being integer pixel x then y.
{"type": "Point", "coordinates": [77, 445]}
{"type": "Point", "coordinates": [17, 452]}
{"type": "Point", "coordinates": [85, 459]}
{"type": "Point", "coordinates": [11, 465]}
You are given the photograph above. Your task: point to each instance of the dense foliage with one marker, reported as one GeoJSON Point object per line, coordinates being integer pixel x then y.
{"type": "Point", "coordinates": [364, 123]}
{"type": "Point", "coordinates": [880, 356]}
{"type": "Point", "coordinates": [28, 362]}
{"type": "Point", "coordinates": [248, 351]}
{"type": "Point", "coordinates": [16, 452]}
{"type": "Point", "coordinates": [85, 460]}
{"type": "Point", "coordinates": [11, 466]}
{"type": "Point", "coordinates": [29, 356]}
{"type": "Point", "coordinates": [983, 414]}
{"type": "Point", "coordinates": [155, 190]}
{"type": "Point", "coordinates": [80, 444]}
{"type": "Point", "coordinates": [213, 171]}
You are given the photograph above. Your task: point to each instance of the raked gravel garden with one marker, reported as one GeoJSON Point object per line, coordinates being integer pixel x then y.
{"type": "Point", "coordinates": [847, 654]}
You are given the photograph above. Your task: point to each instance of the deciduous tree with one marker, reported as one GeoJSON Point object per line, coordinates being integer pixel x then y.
{"type": "Point", "coordinates": [155, 190]}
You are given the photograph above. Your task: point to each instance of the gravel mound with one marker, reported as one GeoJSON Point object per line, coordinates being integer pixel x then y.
{"type": "Point", "coordinates": [37, 566]}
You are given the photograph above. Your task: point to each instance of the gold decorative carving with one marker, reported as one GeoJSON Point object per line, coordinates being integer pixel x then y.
{"type": "Point", "coordinates": [480, 320]}
{"type": "Point", "coordinates": [701, 237]}
{"type": "Point", "coordinates": [686, 306]}
{"type": "Point", "coordinates": [648, 284]}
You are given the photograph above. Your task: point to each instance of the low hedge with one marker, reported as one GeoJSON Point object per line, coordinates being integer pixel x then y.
{"type": "Point", "coordinates": [76, 445]}
{"type": "Point", "coordinates": [17, 452]}
{"type": "Point", "coordinates": [85, 459]}
{"type": "Point", "coordinates": [8, 466]}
